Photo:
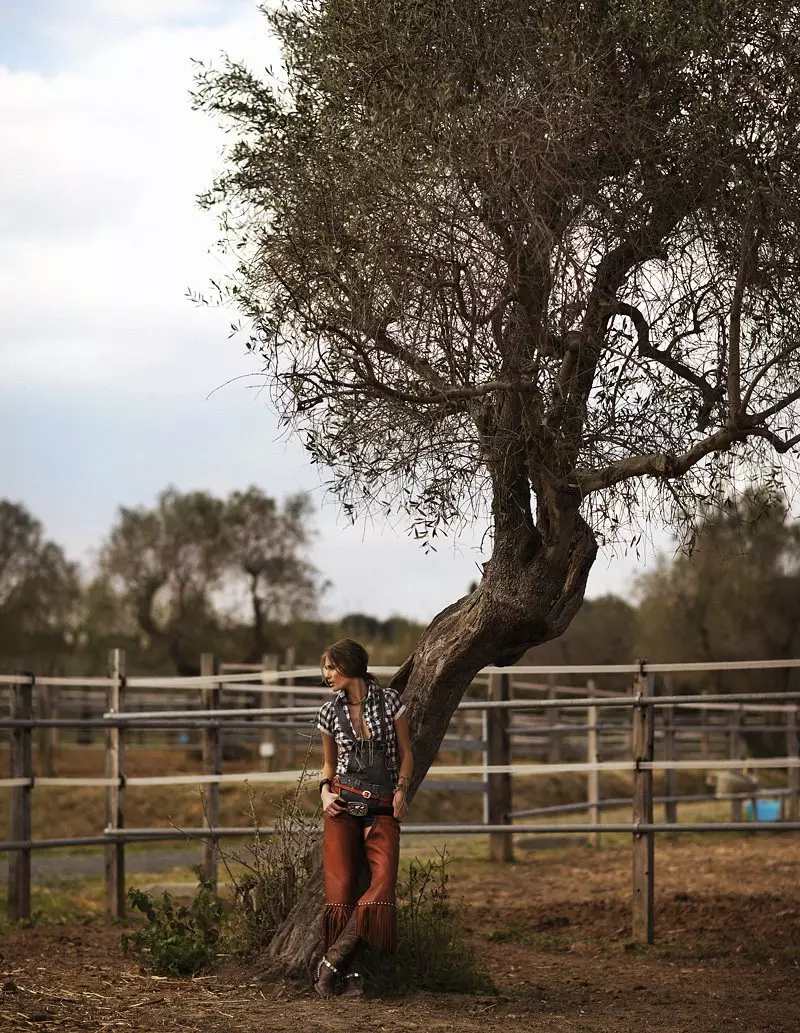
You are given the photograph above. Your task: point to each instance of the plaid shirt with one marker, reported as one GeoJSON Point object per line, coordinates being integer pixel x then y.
{"type": "Point", "coordinates": [394, 707]}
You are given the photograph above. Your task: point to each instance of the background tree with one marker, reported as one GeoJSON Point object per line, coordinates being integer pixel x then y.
{"type": "Point", "coordinates": [265, 543]}
{"type": "Point", "coordinates": [604, 631]}
{"type": "Point", "coordinates": [530, 259]}
{"type": "Point", "coordinates": [182, 565]}
{"type": "Point", "coordinates": [39, 594]}
{"type": "Point", "coordinates": [108, 622]}
{"type": "Point", "coordinates": [167, 561]}
{"type": "Point", "coordinates": [736, 597]}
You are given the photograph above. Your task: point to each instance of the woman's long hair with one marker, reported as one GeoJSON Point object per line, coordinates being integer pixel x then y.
{"type": "Point", "coordinates": [350, 657]}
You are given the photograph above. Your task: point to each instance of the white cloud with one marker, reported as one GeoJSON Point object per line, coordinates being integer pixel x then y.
{"type": "Point", "coordinates": [99, 168]}
{"type": "Point", "coordinates": [134, 13]}
{"type": "Point", "coordinates": [93, 24]}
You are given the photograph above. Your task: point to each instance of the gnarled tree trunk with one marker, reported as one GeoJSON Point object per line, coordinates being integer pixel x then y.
{"type": "Point", "coordinates": [529, 594]}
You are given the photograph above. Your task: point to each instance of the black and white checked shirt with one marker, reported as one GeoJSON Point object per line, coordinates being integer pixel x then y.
{"type": "Point", "coordinates": [393, 708]}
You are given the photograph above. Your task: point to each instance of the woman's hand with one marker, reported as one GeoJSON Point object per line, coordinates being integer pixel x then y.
{"type": "Point", "coordinates": [331, 807]}
{"type": "Point", "coordinates": [400, 804]}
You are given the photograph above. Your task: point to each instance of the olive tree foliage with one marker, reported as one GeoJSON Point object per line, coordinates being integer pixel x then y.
{"type": "Point", "coordinates": [178, 562]}
{"type": "Point", "coordinates": [265, 543]}
{"type": "Point", "coordinates": [532, 260]}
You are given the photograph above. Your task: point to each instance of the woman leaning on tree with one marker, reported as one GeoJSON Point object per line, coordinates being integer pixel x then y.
{"type": "Point", "coordinates": [366, 773]}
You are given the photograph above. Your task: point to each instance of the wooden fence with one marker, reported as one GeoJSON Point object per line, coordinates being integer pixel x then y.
{"type": "Point", "coordinates": [517, 717]}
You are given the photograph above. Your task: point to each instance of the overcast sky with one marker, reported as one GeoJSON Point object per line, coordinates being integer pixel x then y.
{"type": "Point", "coordinates": [112, 384]}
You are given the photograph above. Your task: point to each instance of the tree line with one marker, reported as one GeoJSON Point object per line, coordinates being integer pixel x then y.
{"type": "Point", "coordinates": [193, 573]}
{"type": "Point", "coordinates": [196, 573]}
{"type": "Point", "coordinates": [733, 594]}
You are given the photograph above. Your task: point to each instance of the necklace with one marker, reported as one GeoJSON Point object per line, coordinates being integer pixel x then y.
{"type": "Point", "coordinates": [359, 724]}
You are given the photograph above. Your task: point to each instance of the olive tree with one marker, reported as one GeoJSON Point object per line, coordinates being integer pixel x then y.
{"type": "Point", "coordinates": [166, 562]}
{"type": "Point", "coordinates": [265, 544]}
{"type": "Point", "coordinates": [177, 563]}
{"type": "Point", "coordinates": [531, 260]}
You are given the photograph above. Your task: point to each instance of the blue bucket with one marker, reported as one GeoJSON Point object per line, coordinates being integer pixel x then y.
{"type": "Point", "coordinates": [766, 810]}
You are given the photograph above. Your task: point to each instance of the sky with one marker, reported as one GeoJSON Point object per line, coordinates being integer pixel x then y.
{"type": "Point", "coordinates": [113, 385]}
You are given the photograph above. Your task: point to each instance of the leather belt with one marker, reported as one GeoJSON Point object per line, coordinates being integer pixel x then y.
{"type": "Point", "coordinates": [365, 793]}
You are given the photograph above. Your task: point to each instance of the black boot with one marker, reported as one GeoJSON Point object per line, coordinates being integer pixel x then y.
{"type": "Point", "coordinates": [327, 982]}
{"type": "Point", "coordinates": [352, 975]}
{"type": "Point", "coordinates": [334, 964]}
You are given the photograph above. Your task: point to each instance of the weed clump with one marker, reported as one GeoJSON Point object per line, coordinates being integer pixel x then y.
{"type": "Point", "coordinates": [178, 940]}
{"type": "Point", "coordinates": [432, 952]}
{"type": "Point", "coordinates": [269, 876]}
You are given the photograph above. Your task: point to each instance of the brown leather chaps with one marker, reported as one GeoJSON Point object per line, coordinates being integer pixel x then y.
{"type": "Point", "coordinates": [346, 844]}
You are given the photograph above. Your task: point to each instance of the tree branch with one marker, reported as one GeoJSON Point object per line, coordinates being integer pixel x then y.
{"type": "Point", "coordinates": [778, 443]}
{"type": "Point", "coordinates": [645, 243]}
{"type": "Point", "coordinates": [664, 466]}
{"type": "Point", "coordinates": [749, 246]}
{"type": "Point", "coordinates": [777, 407]}
{"type": "Point", "coordinates": [658, 464]}
{"type": "Point", "coordinates": [711, 395]}
{"type": "Point", "coordinates": [442, 394]}
{"type": "Point", "coordinates": [784, 353]}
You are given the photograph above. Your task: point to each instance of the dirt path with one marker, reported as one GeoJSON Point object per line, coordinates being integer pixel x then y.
{"type": "Point", "coordinates": [552, 931]}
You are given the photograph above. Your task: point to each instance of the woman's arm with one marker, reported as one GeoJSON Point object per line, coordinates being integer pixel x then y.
{"type": "Point", "coordinates": [406, 769]}
{"type": "Point", "coordinates": [330, 805]}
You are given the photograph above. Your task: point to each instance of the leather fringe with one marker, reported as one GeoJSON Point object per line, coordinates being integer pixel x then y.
{"type": "Point", "coordinates": [334, 919]}
{"type": "Point", "coordinates": [377, 924]}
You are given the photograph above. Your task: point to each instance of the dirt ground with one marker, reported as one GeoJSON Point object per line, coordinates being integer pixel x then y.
{"type": "Point", "coordinates": [553, 930]}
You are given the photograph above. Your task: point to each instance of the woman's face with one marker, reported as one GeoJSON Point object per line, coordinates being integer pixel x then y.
{"type": "Point", "coordinates": [333, 676]}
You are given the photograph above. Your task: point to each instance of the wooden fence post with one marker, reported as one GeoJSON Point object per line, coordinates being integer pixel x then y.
{"type": "Point", "coordinates": [705, 736]}
{"type": "Point", "coordinates": [46, 739]}
{"type": "Point", "coordinates": [670, 754]}
{"type": "Point", "coordinates": [85, 736]}
{"type": "Point", "coordinates": [268, 746]}
{"type": "Point", "coordinates": [461, 729]}
{"type": "Point", "coordinates": [593, 757]}
{"type": "Point", "coordinates": [19, 862]}
{"type": "Point", "coordinates": [734, 742]}
{"type": "Point", "coordinates": [555, 752]}
{"type": "Point", "coordinates": [501, 847]}
{"type": "Point", "coordinates": [793, 774]}
{"type": "Point", "coordinates": [212, 765]}
{"type": "Point", "coordinates": [290, 661]}
{"type": "Point", "coordinates": [115, 793]}
{"type": "Point", "coordinates": [643, 842]}
{"type": "Point", "coordinates": [670, 781]}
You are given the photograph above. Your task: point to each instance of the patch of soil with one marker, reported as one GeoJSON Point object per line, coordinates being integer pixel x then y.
{"type": "Point", "coordinates": [553, 931]}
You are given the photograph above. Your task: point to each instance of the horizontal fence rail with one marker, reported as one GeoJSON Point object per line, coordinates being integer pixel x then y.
{"type": "Point", "coordinates": [519, 770]}
{"type": "Point", "coordinates": [723, 719]}
{"type": "Point", "coordinates": [248, 678]}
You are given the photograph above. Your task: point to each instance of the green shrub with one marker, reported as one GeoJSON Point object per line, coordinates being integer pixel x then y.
{"type": "Point", "coordinates": [178, 940]}
{"type": "Point", "coordinates": [432, 952]}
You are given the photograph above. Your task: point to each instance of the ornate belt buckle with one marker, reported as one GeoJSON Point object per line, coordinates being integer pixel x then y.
{"type": "Point", "coordinates": [358, 810]}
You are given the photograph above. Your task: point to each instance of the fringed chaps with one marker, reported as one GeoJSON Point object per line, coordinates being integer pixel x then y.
{"type": "Point", "coordinates": [345, 845]}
